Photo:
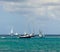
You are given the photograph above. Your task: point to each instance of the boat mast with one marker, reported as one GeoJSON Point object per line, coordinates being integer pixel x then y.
{"type": "Point", "coordinates": [12, 31]}
{"type": "Point", "coordinates": [40, 34]}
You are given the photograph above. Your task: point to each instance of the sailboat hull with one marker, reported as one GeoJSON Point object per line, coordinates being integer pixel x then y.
{"type": "Point", "coordinates": [25, 37]}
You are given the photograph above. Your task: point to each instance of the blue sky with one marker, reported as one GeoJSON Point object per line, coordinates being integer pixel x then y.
{"type": "Point", "coordinates": [30, 15]}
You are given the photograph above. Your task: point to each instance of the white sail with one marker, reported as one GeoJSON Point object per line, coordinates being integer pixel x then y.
{"type": "Point", "coordinates": [40, 34]}
{"type": "Point", "coordinates": [12, 31]}
{"type": "Point", "coordinates": [16, 33]}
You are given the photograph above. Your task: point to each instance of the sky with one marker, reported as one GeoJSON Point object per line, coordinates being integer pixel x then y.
{"type": "Point", "coordinates": [30, 16]}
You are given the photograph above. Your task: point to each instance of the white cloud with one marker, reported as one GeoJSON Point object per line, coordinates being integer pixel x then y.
{"type": "Point", "coordinates": [33, 8]}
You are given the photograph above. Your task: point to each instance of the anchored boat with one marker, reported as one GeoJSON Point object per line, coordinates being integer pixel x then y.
{"type": "Point", "coordinates": [40, 34]}
{"type": "Point", "coordinates": [25, 36]}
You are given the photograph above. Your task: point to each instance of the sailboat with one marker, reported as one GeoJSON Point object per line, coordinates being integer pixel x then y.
{"type": "Point", "coordinates": [25, 36]}
{"type": "Point", "coordinates": [40, 34]}
{"type": "Point", "coordinates": [11, 33]}
{"type": "Point", "coordinates": [32, 35]}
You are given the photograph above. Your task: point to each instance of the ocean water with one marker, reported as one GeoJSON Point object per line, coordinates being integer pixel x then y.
{"type": "Point", "coordinates": [13, 44]}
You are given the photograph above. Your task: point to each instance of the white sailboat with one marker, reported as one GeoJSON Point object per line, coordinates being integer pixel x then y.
{"type": "Point", "coordinates": [32, 35]}
{"type": "Point", "coordinates": [40, 34]}
{"type": "Point", "coordinates": [25, 35]}
{"type": "Point", "coordinates": [16, 33]}
{"type": "Point", "coordinates": [12, 32]}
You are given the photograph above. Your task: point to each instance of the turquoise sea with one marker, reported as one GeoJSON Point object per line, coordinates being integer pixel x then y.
{"type": "Point", "coordinates": [13, 44]}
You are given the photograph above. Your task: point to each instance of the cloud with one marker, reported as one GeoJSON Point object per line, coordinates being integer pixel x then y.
{"type": "Point", "coordinates": [13, 0]}
{"type": "Point", "coordinates": [51, 4]}
{"type": "Point", "coordinates": [33, 9]}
